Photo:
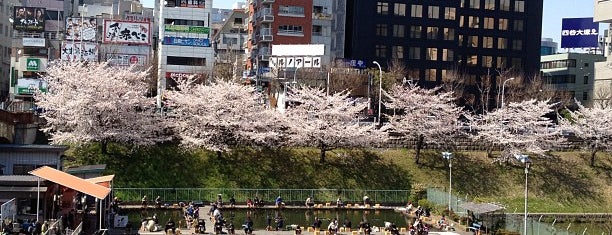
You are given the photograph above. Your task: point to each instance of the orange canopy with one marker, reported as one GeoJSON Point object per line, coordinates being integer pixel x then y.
{"type": "Point", "coordinates": [102, 180]}
{"type": "Point", "coordinates": [71, 181]}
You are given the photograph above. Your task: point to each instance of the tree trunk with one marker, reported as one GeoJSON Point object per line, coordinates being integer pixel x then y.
{"type": "Point", "coordinates": [322, 155]}
{"type": "Point", "coordinates": [419, 146]}
{"type": "Point", "coordinates": [593, 153]}
{"type": "Point", "coordinates": [490, 151]}
{"type": "Point", "coordinates": [104, 147]}
{"type": "Point", "coordinates": [219, 154]}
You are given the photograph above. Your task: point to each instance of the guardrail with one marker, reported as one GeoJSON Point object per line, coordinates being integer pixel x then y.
{"type": "Point", "coordinates": [290, 196]}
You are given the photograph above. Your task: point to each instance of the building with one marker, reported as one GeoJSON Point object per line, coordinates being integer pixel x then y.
{"type": "Point", "coordinates": [432, 38]}
{"type": "Point", "coordinates": [573, 73]}
{"type": "Point", "coordinates": [229, 42]}
{"type": "Point", "coordinates": [184, 42]}
{"type": "Point", "coordinates": [278, 22]}
{"type": "Point", "coordinates": [549, 47]}
{"type": "Point", "coordinates": [6, 45]}
{"type": "Point", "coordinates": [603, 70]}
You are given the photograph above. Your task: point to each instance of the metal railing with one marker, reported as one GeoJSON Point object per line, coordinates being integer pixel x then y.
{"type": "Point", "coordinates": [292, 196]}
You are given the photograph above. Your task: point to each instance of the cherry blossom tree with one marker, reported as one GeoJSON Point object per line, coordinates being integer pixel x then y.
{"type": "Point", "coordinates": [429, 115]}
{"type": "Point", "coordinates": [592, 125]}
{"type": "Point", "coordinates": [94, 102]}
{"type": "Point", "coordinates": [328, 121]}
{"type": "Point", "coordinates": [223, 115]}
{"type": "Point", "coordinates": [518, 128]}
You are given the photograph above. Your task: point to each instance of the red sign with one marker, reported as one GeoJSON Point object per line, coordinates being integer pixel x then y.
{"type": "Point", "coordinates": [134, 59]}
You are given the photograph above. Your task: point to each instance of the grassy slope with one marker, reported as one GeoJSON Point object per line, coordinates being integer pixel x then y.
{"type": "Point", "coordinates": [562, 183]}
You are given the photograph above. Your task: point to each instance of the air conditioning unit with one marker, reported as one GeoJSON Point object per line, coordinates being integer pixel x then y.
{"type": "Point", "coordinates": [267, 38]}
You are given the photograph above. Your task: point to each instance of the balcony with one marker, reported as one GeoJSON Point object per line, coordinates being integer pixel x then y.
{"type": "Point", "coordinates": [267, 1]}
{"type": "Point", "coordinates": [321, 16]}
{"type": "Point", "coordinates": [266, 38]}
{"type": "Point", "coordinates": [265, 15]}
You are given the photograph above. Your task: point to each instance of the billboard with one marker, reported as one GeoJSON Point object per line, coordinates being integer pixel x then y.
{"type": "Point", "coordinates": [579, 33]}
{"type": "Point", "coordinates": [29, 19]}
{"type": "Point", "coordinates": [181, 41]}
{"type": "Point", "coordinates": [126, 59]}
{"type": "Point", "coordinates": [81, 29]}
{"type": "Point", "coordinates": [295, 62]}
{"type": "Point", "coordinates": [27, 86]}
{"type": "Point", "coordinates": [186, 29]}
{"type": "Point", "coordinates": [298, 49]}
{"type": "Point", "coordinates": [75, 51]}
{"type": "Point", "coordinates": [126, 32]}
{"type": "Point", "coordinates": [33, 42]}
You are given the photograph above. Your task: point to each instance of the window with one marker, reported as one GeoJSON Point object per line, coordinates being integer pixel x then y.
{"type": "Point", "coordinates": [449, 34]}
{"type": "Point", "coordinates": [449, 13]}
{"type": "Point", "coordinates": [291, 10]}
{"type": "Point", "coordinates": [519, 6]}
{"type": "Point", "coordinates": [416, 11]}
{"type": "Point", "coordinates": [517, 45]}
{"type": "Point", "coordinates": [415, 31]}
{"type": "Point", "coordinates": [433, 12]}
{"type": "Point", "coordinates": [502, 62]}
{"type": "Point", "coordinates": [489, 23]}
{"type": "Point", "coordinates": [54, 15]}
{"type": "Point", "coordinates": [317, 30]}
{"type": "Point", "coordinates": [489, 5]}
{"type": "Point", "coordinates": [586, 79]}
{"type": "Point", "coordinates": [381, 30]}
{"type": "Point", "coordinates": [502, 43]}
{"type": "Point", "coordinates": [184, 22]}
{"type": "Point", "coordinates": [432, 32]}
{"type": "Point", "coordinates": [518, 25]}
{"type": "Point", "coordinates": [230, 41]}
{"type": "Point", "coordinates": [473, 22]}
{"type": "Point", "coordinates": [443, 74]}
{"type": "Point", "coordinates": [472, 60]}
{"type": "Point", "coordinates": [585, 95]}
{"type": "Point", "coordinates": [487, 61]}
{"type": "Point", "coordinates": [382, 8]}
{"type": "Point", "coordinates": [473, 41]}
{"type": "Point", "coordinates": [414, 53]}
{"type": "Point", "coordinates": [503, 24]}
{"type": "Point", "coordinates": [1, 27]}
{"type": "Point", "coordinates": [381, 51]}
{"type": "Point", "coordinates": [430, 75]}
{"type": "Point", "coordinates": [517, 63]}
{"type": "Point", "coordinates": [448, 55]}
{"type": "Point", "coordinates": [432, 54]}
{"type": "Point", "coordinates": [23, 169]}
{"type": "Point", "coordinates": [398, 31]}
{"type": "Point", "coordinates": [504, 5]}
{"type": "Point", "coordinates": [398, 52]}
{"type": "Point", "coordinates": [475, 4]}
{"type": "Point", "coordinates": [487, 42]}
{"type": "Point", "coordinates": [178, 60]}
{"type": "Point", "coordinates": [290, 29]}
{"type": "Point", "coordinates": [399, 9]}
{"type": "Point", "coordinates": [559, 64]}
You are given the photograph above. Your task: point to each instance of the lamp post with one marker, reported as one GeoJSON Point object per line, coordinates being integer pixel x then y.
{"type": "Point", "coordinates": [449, 156]}
{"type": "Point", "coordinates": [380, 92]}
{"type": "Point", "coordinates": [503, 90]}
{"type": "Point", "coordinates": [525, 160]}
{"type": "Point", "coordinates": [295, 73]}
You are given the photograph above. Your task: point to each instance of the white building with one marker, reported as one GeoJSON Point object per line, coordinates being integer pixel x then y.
{"type": "Point", "coordinates": [184, 41]}
{"type": "Point", "coordinates": [603, 70]}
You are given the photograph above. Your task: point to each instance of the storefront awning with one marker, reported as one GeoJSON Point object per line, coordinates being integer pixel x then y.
{"type": "Point", "coordinates": [71, 181]}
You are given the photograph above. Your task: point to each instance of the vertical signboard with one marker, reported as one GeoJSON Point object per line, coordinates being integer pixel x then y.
{"type": "Point", "coordinates": [579, 33]}
{"type": "Point", "coordinates": [29, 19]}
{"type": "Point", "coordinates": [76, 51]}
{"type": "Point", "coordinates": [81, 29]}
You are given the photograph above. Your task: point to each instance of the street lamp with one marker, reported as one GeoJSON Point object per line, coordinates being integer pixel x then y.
{"type": "Point", "coordinates": [379, 93]}
{"type": "Point", "coordinates": [503, 90]}
{"type": "Point", "coordinates": [449, 156]}
{"type": "Point", "coordinates": [295, 73]}
{"type": "Point", "coordinates": [525, 160]}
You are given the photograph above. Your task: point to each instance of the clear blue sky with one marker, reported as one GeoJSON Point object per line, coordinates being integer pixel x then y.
{"type": "Point", "coordinates": [554, 11]}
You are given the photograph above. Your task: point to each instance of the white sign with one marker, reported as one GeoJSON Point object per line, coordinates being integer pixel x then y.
{"type": "Point", "coordinates": [81, 29]}
{"type": "Point", "coordinates": [298, 49]}
{"type": "Point", "coordinates": [75, 51]}
{"type": "Point", "coordinates": [127, 32]}
{"type": "Point", "coordinates": [295, 62]}
{"type": "Point", "coordinates": [290, 62]}
{"type": "Point", "coordinates": [126, 60]}
{"type": "Point", "coordinates": [8, 210]}
{"type": "Point", "coordinates": [33, 42]}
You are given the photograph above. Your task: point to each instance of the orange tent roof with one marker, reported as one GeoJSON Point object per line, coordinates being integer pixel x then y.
{"type": "Point", "coordinates": [101, 179]}
{"type": "Point", "coordinates": [71, 181]}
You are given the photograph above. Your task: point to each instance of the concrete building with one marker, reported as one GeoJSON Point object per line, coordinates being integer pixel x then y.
{"type": "Point", "coordinates": [6, 45]}
{"type": "Point", "coordinates": [184, 47]}
{"type": "Point", "coordinates": [549, 47]}
{"type": "Point", "coordinates": [603, 70]}
{"type": "Point", "coordinates": [573, 73]}
{"type": "Point", "coordinates": [229, 43]}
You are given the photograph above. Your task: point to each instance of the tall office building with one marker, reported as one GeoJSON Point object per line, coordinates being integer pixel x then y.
{"type": "Point", "coordinates": [549, 47]}
{"type": "Point", "coordinates": [184, 41]}
{"type": "Point", "coordinates": [603, 70]}
{"type": "Point", "coordinates": [432, 38]}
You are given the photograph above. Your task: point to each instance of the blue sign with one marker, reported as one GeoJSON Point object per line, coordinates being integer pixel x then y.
{"type": "Point", "coordinates": [358, 64]}
{"type": "Point", "coordinates": [579, 33]}
{"type": "Point", "coordinates": [193, 42]}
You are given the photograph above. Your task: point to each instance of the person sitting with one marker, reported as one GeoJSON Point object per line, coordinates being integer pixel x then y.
{"type": "Point", "coordinates": [316, 225]}
{"type": "Point", "coordinates": [366, 200]}
{"type": "Point", "coordinates": [339, 202]}
{"type": "Point", "coordinates": [279, 223]}
{"type": "Point", "coordinates": [170, 226]}
{"type": "Point", "coordinates": [298, 230]}
{"type": "Point", "coordinates": [309, 203]}
{"type": "Point", "coordinates": [347, 225]}
{"type": "Point", "coordinates": [250, 203]}
{"type": "Point", "coordinates": [258, 203]}
{"type": "Point", "coordinates": [232, 201]}
{"type": "Point", "coordinates": [279, 202]}
{"type": "Point", "coordinates": [332, 228]}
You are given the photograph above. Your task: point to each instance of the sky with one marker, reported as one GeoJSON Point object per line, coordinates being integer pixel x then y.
{"type": "Point", "coordinates": [554, 11]}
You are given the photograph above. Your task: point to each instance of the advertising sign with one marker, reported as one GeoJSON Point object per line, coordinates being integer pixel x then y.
{"type": "Point", "coordinates": [33, 42]}
{"type": "Point", "coordinates": [126, 60]}
{"type": "Point", "coordinates": [75, 51]}
{"type": "Point", "coordinates": [32, 64]}
{"type": "Point", "coordinates": [181, 41]}
{"type": "Point", "coordinates": [8, 210]}
{"type": "Point", "coordinates": [186, 29]}
{"type": "Point", "coordinates": [81, 29]}
{"type": "Point", "coordinates": [358, 64]}
{"type": "Point", "coordinates": [27, 86]}
{"type": "Point", "coordinates": [127, 32]}
{"type": "Point", "coordinates": [176, 75]}
{"type": "Point", "coordinates": [579, 33]}
{"type": "Point", "coordinates": [29, 19]}
{"type": "Point", "coordinates": [295, 62]}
